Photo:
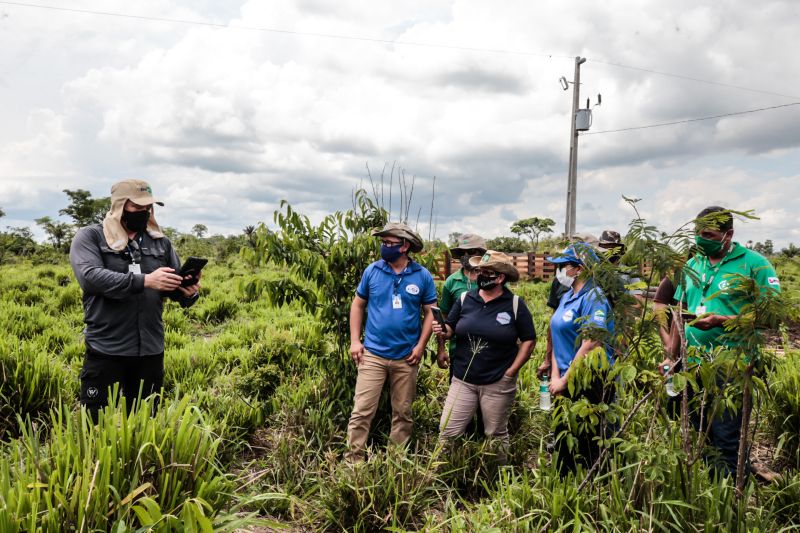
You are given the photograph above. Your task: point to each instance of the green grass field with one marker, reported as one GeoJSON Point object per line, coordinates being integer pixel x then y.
{"type": "Point", "coordinates": [251, 430]}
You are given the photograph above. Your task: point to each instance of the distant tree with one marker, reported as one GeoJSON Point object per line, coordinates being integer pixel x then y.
{"type": "Point", "coordinates": [199, 230]}
{"type": "Point", "coordinates": [58, 233]}
{"type": "Point", "coordinates": [791, 251]}
{"type": "Point", "coordinates": [453, 238]}
{"type": "Point", "coordinates": [250, 233]}
{"type": "Point", "coordinates": [532, 228]}
{"type": "Point", "coordinates": [84, 209]}
{"type": "Point", "coordinates": [507, 244]}
{"type": "Point", "coordinates": [767, 248]}
{"type": "Point", "coordinates": [2, 213]}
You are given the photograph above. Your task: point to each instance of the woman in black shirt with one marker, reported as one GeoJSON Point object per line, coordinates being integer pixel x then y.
{"type": "Point", "coordinates": [494, 339]}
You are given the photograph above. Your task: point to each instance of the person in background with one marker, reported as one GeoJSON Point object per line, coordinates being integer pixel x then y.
{"type": "Point", "coordinates": [494, 335]}
{"type": "Point", "coordinates": [463, 280]}
{"type": "Point", "coordinates": [397, 294]}
{"type": "Point", "coordinates": [582, 308]}
{"type": "Point", "coordinates": [664, 299]}
{"type": "Point", "coordinates": [125, 267]}
{"type": "Point", "coordinates": [612, 244]}
{"type": "Point", "coordinates": [712, 292]}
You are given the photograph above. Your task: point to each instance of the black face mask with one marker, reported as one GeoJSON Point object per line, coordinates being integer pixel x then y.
{"type": "Point", "coordinates": [465, 262]}
{"type": "Point", "coordinates": [486, 282]}
{"type": "Point", "coordinates": [136, 220]}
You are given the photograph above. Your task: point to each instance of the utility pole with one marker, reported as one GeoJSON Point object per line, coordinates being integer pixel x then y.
{"type": "Point", "coordinates": [572, 180]}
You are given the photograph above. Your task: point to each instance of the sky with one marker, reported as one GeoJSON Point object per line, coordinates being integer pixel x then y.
{"type": "Point", "coordinates": [254, 102]}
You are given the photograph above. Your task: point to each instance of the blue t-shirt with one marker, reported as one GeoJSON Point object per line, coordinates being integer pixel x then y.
{"type": "Point", "coordinates": [394, 303]}
{"type": "Point", "coordinates": [576, 312]}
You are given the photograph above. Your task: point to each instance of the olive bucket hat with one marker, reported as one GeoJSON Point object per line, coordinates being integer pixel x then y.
{"type": "Point", "coordinates": [468, 241]}
{"type": "Point", "coordinates": [401, 231]}
{"type": "Point", "coordinates": [497, 261]}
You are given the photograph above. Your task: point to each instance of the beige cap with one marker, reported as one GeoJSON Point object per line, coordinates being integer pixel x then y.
{"type": "Point", "coordinates": [469, 241]}
{"type": "Point", "coordinates": [401, 231]}
{"type": "Point", "coordinates": [497, 261]}
{"type": "Point", "coordinates": [137, 191]}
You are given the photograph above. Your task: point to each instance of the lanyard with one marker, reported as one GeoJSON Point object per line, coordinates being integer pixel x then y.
{"type": "Point", "coordinates": [134, 250]}
{"type": "Point", "coordinates": [707, 284]}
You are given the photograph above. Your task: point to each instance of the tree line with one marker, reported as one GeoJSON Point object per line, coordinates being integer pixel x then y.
{"type": "Point", "coordinates": [83, 209]}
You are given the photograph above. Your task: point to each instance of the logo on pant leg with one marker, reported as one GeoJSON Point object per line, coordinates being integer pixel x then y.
{"type": "Point", "coordinates": [92, 392]}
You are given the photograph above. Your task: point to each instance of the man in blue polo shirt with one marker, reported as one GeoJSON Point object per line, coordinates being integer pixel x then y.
{"type": "Point", "coordinates": [395, 292]}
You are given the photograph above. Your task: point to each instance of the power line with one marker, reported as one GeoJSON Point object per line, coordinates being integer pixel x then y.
{"type": "Point", "coordinates": [288, 32]}
{"type": "Point", "coordinates": [692, 119]}
{"type": "Point", "coordinates": [692, 78]}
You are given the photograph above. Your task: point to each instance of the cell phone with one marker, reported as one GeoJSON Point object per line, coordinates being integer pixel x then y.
{"type": "Point", "coordinates": [191, 267]}
{"type": "Point", "coordinates": [438, 316]}
{"type": "Point", "coordinates": [686, 315]}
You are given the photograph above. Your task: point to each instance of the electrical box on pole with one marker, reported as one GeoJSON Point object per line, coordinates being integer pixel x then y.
{"type": "Point", "coordinates": [583, 119]}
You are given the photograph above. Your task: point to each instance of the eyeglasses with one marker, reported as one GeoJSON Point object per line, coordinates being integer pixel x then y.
{"type": "Point", "coordinates": [392, 244]}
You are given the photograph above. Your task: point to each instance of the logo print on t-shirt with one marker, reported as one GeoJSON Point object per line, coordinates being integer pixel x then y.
{"type": "Point", "coordinates": [412, 289]}
{"type": "Point", "coordinates": [774, 281]}
{"type": "Point", "coordinates": [503, 318]}
{"type": "Point", "coordinates": [723, 285]}
{"type": "Point", "coordinates": [599, 316]}
{"type": "Point", "coordinates": [92, 392]}
{"type": "Point", "coordinates": [567, 316]}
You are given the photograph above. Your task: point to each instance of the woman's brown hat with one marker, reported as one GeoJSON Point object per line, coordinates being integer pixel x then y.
{"type": "Point", "coordinates": [497, 261]}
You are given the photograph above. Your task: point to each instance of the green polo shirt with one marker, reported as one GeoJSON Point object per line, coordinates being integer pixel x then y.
{"type": "Point", "coordinates": [716, 290]}
{"type": "Point", "coordinates": [456, 284]}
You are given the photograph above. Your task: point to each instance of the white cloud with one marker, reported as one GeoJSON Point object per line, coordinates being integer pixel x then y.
{"type": "Point", "coordinates": [227, 122]}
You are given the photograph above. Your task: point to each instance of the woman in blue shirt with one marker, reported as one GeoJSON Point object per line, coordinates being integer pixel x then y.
{"type": "Point", "coordinates": [581, 309]}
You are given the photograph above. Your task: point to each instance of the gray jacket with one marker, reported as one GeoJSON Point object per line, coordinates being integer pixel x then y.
{"type": "Point", "coordinates": [121, 316]}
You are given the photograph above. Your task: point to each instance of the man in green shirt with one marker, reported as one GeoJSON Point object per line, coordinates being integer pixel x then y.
{"type": "Point", "coordinates": [461, 281]}
{"type": "Point", "coordinates": [712, 292]}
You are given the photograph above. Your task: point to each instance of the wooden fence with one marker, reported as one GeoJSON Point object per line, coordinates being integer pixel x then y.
{"type": "Point", "coordinates": [529, 265]}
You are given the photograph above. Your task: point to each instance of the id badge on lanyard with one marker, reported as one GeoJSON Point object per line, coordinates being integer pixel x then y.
{"type": "Point", "coordinates": [397, 301]}
{"type": "Point", "coordinates": [701, 308]}
{"type": "Point", "coordinates": [136, 255]}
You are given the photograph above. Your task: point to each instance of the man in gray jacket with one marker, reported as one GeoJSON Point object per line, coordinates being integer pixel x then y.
{"type": "Point", "coordinates": [126, 267]}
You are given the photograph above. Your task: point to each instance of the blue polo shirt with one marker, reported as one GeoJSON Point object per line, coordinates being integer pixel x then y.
{"type": "Point", "coordinates": [391, 331]}
{"type": "Point", "coordinates": [574, 313]}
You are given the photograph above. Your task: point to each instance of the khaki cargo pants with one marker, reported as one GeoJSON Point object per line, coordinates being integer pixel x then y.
{"type": "Point", "coordinates": [495, 400]}
{"type": "Point", "coordinates": [372, 373]}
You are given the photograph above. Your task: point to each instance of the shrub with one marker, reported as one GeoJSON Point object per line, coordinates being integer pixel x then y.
{"type": "Point", "coordinates": [785, 412]}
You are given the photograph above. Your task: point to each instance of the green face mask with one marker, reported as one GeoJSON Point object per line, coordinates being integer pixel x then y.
{"type": "Point", "coordinates": [710, 248]}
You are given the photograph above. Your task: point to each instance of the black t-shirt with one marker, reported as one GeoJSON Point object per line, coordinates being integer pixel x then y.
{"type": "Point", "coordinates": [557, 290]}
{"type": "Point", "coordinates": [666, 292]}
{"type": "Point", "coordinates": [490, 326]}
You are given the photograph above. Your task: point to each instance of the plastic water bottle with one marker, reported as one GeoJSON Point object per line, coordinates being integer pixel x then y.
{"type": "Point", "coordinates": [544, 395]}
{"type": "Point", "coordinates": [670, 387]}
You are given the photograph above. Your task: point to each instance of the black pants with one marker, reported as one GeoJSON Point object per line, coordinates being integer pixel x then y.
{"type": "Point", "coordinates": [100, 372]}
{"type": "Point", "coordinates": [587, 449]}
{"type": "Point", "coordinates": [724, 433]}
